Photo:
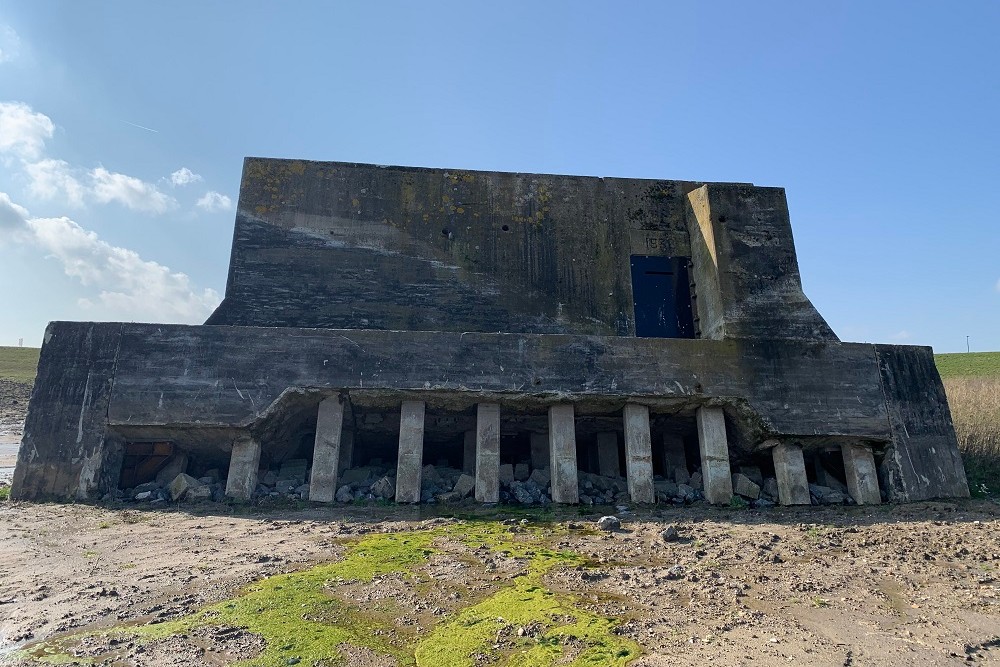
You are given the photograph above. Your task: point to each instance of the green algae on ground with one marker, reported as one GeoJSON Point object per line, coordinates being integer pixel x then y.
{"type": "Point", "coordinates": [302, 621]}
{"type": "Point", "coordinates": [527, 602]}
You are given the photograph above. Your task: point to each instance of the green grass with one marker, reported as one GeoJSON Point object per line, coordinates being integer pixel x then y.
{"type": "Point", "coordinates": [18, 363]}
{"type": "Point", "coordinates": [974, 364]}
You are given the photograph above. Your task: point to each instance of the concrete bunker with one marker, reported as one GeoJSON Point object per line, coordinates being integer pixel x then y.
{"type": "Point", "coordinates": [380, 320]}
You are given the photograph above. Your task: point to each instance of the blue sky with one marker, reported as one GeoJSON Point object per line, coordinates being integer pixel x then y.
{"type": "Point", "coordinates": [123, 126]}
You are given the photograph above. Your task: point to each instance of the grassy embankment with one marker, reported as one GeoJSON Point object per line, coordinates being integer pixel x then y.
{"type": "Point", "coordinates": [18, 364]}
{"type": "Point", "coordinates": [973, 385]}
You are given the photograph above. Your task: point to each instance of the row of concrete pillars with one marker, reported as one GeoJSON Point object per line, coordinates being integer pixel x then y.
{"type": "Point", "coordinates": [556, 450]}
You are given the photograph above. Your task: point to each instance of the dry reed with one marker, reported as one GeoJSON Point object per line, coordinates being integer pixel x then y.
{"type": "Point", "coordinates": [975, 410]}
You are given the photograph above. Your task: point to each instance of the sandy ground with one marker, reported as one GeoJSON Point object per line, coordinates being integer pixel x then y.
{"type": "Point", "coordinates": [903, 585]}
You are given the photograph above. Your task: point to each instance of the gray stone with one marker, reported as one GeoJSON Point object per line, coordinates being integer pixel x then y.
{"type": "Point", "coordinates": [609, 523]}
{"type": "Point", "coordinates": [522, 495]}
{"type": "Point", "coordinates": [521, 472]}
{"type": "Point", "coordinates": [355, 475]}
{"type": "Point", "coordinates": [384, 488]}
{"type": "Point", "coordinates": [682, 476]}
{"type": "Point", "coordinates": [177, 464]}
{"type": "Point", "coordinates": [344, 494]}
{"type": "Point", "coordinates": [464, 485]}
{"type": "Point", "coordinates": [269, 478]}
{"type": "Point", "coordinates": [151, 486]}
{"type": "Point", "coordinates": [670, 534]}
{"type": "Point", "coordinates": [695, 481]}
{"type": "Point", "coordinates": [286, 485]}
{"type": "Point", "coordinates": [754, 474]}
{"type": "Point", "coordinates": [744, 486]}
{"type": "Point", "coordinates": [540, 476]}
{"type": "Point", "coordinates": [144, 495]}
{"type": "Point", "coordinates": [684, 491]}
{"type": "Point", "coordinates": [196, 493]}
{"type": "Point", "coordinates": [770, 488]}
{"type": "Point", "coordinates": [430, 474]}
{"type": "Point", "coordinates": [180, 485]}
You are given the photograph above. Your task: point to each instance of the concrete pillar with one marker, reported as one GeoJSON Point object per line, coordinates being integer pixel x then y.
{"type": "Point", "coordinates": [326, 450]}
{"type": "Point", "coordinates": [790, 471]}
{"type": "Point", "coordinates": [346, 451]}
{"type": "Point", "coordinates": [638, 453]}
{"type": "Point", "coordinates": [862, 477]}
{"type": "Point", "coordinates": [243, 464]}
{"type": "Point", "coordinates": [562, 454]}
{"type": "Point", "coordinates": [488, 453]}
{"type": "Point", "coordinates": [674, 457]}
{"type": "Point", "coordinates": [714, 446]}
{"type": "Point", "coordinates": [469, 453]}
{"type": "Point", "coordinates": [411, 452]}
{"type": "Point", "coordinates": [539, 451]}
{"type": "Point", "coordinates": [607, 455]}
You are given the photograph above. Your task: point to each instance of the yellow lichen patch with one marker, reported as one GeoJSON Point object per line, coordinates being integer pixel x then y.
{"type": "Point", "coordinates": [297, 167]}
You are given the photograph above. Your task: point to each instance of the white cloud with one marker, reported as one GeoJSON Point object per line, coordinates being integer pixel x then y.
{"type": "Point", "coordinates": [184, 176]}
{"type": "Point", "coordinates": [901, 335]}
{"type": "Point", "coordinates": [129, 191]}
{"type": "Point", "coordinates": [10, 44]}
{"type": "Point", "coordinates": [12, 216]}
{"type": "Point", "coordinates": [214, 202]}
{"type": "Point", "coordinates": [128, 287]}
{"type": "Point", "coordinates": [49, 179]}
{"type": "Point", "coordinates": [22, 131]}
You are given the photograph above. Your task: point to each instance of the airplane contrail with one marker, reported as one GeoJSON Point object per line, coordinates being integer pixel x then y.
{"type": "Point", "coordinates": [141, 127]}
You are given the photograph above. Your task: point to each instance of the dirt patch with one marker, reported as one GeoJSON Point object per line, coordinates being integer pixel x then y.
{"type": "Point", "coordinates": [905, 585]}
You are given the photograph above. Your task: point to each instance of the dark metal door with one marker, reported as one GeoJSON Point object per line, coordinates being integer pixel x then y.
{"type": "Point", "coordinates": [661, 295]}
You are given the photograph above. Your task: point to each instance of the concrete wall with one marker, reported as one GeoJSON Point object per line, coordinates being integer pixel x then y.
{"type": "Point", "coordinates": [746, 273]}
{"type": "Point", "coordinates": [172, 379]}
{"type": "Point", "coordinates": [443, 250]}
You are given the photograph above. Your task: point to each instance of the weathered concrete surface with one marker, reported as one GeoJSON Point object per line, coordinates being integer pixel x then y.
{"type": "Point", "coordinates": [66, 451]}
{"type": "Point", "coordinates": [790, 471]}
{"type": "Point", "coordinates": [443, 250]}
{"type": "Point", "coordinates": [923, 460]}
{"type": "Point", "coordinates": [172, 379]}
{"type": "Point", "coordinates": [326, 450]}
{"type": "Point", "coordinates": [714, 446]}
{"type": "Point", "coordinates": [488, 453]}
{"type": "Point", "coordinates": [607, 454]}
{"type": "Point", "coordinates": [745, 266]}
{"type": "Point", "coordinates": [638, 453]}
{"type": "Point", "coordinates": [409, 465]}
{"type": "Point", "coordinates": [539, 451]}
{"type": "Point", "coordinates": [243, 467]}
{"type": "Point", "coordinates": [862, 477]}
{"type": "Point", "coordinates": [562, 449]}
